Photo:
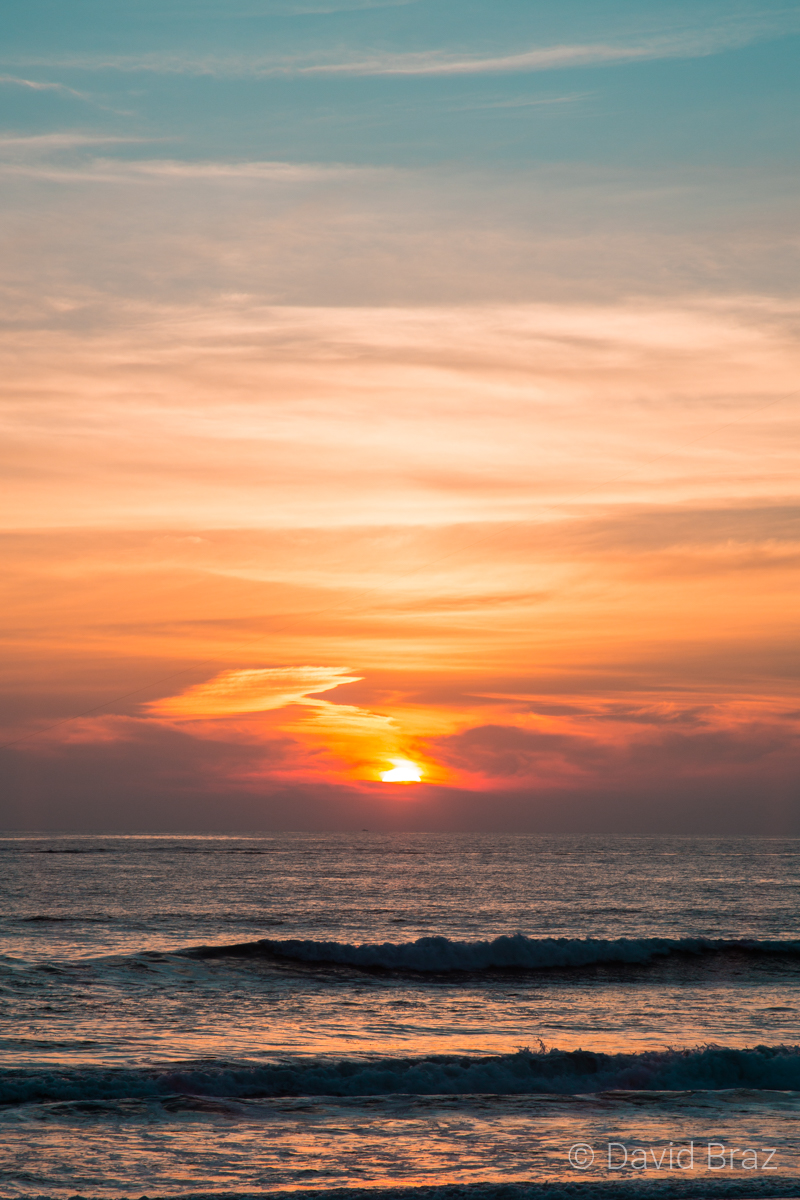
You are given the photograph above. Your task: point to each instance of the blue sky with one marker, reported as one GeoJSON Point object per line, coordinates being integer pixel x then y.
{"type": "Point", "coordinates": [417, 83]}
{"type": "Point", "coordinates": [427, 150]}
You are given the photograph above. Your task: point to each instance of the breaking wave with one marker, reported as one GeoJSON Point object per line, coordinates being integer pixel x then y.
{"type": "Point", "coordinates": [707, 1068]}
{"type": "Point", "coordinates": [518, 952]}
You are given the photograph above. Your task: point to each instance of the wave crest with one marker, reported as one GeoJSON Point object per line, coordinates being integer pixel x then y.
{"type": "Point", "coordinates": [517, 952]}
{"type": "Point", "coordinates": [708, 1068]}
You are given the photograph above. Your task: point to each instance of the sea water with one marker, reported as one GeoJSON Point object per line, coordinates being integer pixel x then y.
{"type": "Point", "coordinates": [298, 1012]}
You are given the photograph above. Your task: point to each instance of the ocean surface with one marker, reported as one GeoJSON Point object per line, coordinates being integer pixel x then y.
{"type": "Point", "coordinates": [488, 1015]}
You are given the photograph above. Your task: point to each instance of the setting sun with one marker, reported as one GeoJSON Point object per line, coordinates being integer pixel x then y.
{"type": "Point", "coordinates": [404, 771]}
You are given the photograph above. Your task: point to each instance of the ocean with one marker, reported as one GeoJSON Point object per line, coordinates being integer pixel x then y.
{"type": "Point", "coordinates": [419, 1013]}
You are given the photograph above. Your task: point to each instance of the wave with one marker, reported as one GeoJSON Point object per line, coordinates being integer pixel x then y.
{"type": "Point", "coordinates": [517, 952]}
{"type": "Point", "coordinates": [706, 1068]}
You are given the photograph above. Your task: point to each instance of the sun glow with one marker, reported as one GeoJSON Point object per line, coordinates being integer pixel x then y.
{"type": "Point", "coordinates": [404, 771]}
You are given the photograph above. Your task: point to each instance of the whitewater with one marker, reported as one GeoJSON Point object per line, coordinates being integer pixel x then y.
{"type": "Point", "coordinates": [418, 1014]}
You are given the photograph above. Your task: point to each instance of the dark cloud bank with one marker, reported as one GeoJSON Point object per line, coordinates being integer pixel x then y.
{"type": "Point", "coordinates": [669, 781]}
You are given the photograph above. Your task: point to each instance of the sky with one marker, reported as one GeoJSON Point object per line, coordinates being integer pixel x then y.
{"type": "Point", "coordinates": [400, 388]}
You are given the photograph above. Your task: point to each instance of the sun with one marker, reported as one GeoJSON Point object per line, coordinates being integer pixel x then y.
{"type": "Point", "coordinates": [404, 771]}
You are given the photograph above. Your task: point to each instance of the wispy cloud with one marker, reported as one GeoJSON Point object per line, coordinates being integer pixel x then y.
{"type": "Point", "coordinates": [684, 43]}
{"type": "Point", "coordinates": [36, 165]}
{"type": "Point", "coordinates": [535, 59]}
{"type": "Point", "coordinates": [257, 690]}
{"type": "Point", "coordinates": [428, 62]}
{"type": "Point", "coordinates": [39, 85]}
{"type": "Point", "coordinates": [520, 102]}
{"type": "Point", "coordinates": [65, 141]}
{"type": "Point", "coordinates": [60, 89]}
{"type": "Point", "coordinates": [288, 172]}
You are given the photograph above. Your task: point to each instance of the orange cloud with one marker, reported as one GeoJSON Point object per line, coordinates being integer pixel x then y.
{"type": "Point", "coordinates": [358, 743]}
{"type": "Point", "coordinates": [250, 691]}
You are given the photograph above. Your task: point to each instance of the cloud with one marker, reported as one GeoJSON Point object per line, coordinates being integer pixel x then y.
{"type": "Point", "coordinates": [158, 778]}
{"type": "Point", "coordinates": [39, 85]}
{"type": "Point", "coordinates": [689, 42]}
{"type": "Point", "coordinates": [45, 142]}
{"type": "Point", "coordinates": [536, 59]}
{"type": "Point", "coordinates": [354, 742]}
{"type": "Point", "coordinates": [507, 752]}
{"type": "Point", "coordinates": [148, 775]}
{"type": "Point", "coordinates": [272, 172]}
{"type": "Point", "coordinates": [520, 102]}
{"type": "Point", "coordinates": [519, 757]}
{"type": "Point", "coordinates": [420, 63]}
{"type": "Point", "coordinates": [255, 690]}
{"type": "Point", "coordinates": [29, 157]}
